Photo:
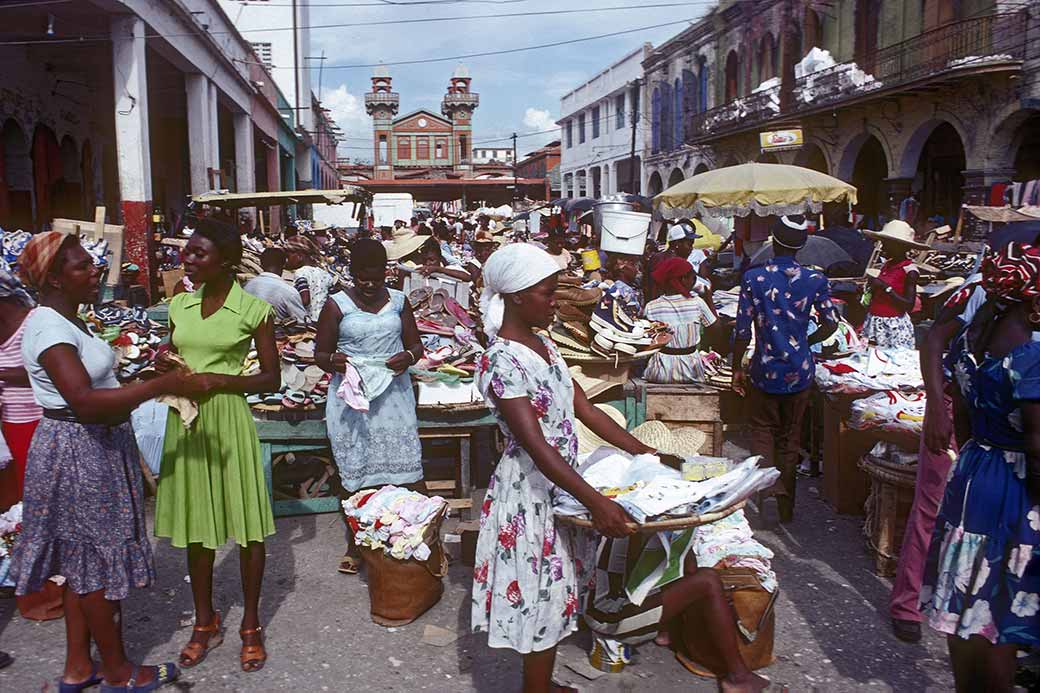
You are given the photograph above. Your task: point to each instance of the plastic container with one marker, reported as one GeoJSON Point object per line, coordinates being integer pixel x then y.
{"type": "Point", "coordinates": [624, 232]}
{"type": "Point", "coordinates": [590, 260]}
{"type": "Point", "coordinates": [617, 206]}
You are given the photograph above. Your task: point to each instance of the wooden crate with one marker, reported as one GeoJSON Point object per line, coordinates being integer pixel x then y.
{"type": "Point", "coordinates": [685, 406]}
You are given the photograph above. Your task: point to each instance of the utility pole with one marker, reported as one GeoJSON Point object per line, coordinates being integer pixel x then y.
{"type": "Point", "coordinates": [516, 184]}
{"type": "Point", "coordinates": [632, 153]}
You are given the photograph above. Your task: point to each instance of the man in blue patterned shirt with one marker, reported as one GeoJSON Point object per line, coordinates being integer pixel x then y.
{"type": "Point", "coordinates": [777, 297]}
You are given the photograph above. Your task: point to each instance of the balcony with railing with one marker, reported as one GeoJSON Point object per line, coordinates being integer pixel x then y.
{"type": "Point", "coordinates": [971, 46]}
{"type": "Point", "coordinates": [382, 98]}
{"type": "Point", "coordinates": [460, 100]}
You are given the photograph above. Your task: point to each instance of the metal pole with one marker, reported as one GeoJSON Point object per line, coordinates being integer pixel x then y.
{"type": "Point", "coordinates": [516, 185]}
{"type": "Point", "coordinates": [632, 151]}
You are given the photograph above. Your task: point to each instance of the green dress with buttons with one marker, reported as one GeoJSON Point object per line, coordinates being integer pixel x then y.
{"type": "Point", "coordinates": [211, 483]}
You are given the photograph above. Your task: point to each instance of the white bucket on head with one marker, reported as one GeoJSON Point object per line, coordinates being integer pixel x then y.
{"type": "Point", "coordinates": [624, 232]}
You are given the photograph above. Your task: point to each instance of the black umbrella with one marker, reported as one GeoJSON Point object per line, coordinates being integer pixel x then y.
{"type": "Point", "coordinates": [579, 204]}
{"type": "Point", "coordinates": [818, 252]}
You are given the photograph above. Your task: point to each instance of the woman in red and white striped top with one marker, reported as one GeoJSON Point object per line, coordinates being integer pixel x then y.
{"type": "Point", "coordinates": [19, 412]}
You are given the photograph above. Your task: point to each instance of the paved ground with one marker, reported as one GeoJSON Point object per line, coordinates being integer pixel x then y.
{"type": "Point", "coordinates": [831, 633]}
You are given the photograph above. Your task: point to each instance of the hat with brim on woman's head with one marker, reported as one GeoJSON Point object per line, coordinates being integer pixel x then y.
{"type": "Point", "coordinates": [404, 243]}
{"type": "Point", "coordinates": [897, 231]}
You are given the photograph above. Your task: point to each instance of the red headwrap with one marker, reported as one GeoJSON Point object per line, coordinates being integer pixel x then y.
{"type": "Point", "coordinates": [669, 272]}
{"type": "Point", "coordinates": [37, 257]}
{"type": "Point", "coordinates": [1013, 274]}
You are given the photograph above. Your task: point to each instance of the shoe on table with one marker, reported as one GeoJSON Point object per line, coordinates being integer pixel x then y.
{"type": "Point", "coordinates": [907, 631]}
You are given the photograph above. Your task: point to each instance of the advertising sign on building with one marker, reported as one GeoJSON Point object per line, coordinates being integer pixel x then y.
{"type": "Point", "coordinates": [780, 140]}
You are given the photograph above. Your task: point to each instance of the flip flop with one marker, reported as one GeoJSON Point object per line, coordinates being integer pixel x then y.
{"type": "Point", "coordinates": [94, 679]}
{"type": "Point", "coordinates": [348, 565]}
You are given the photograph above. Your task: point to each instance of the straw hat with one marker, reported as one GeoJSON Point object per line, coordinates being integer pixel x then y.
{"type": "Point", "coordinates": [319, 226]}
{"type": "Point", "coordinates": [589, 441]}
{"type": "Point", "coordinates": [898, 231]}
{"type": "Point", "coordinates": [404, 243]}
{"type": "Point", "coordinates": [482, 236]}
{"type": "Point", "coordinates": [682, 442]}
{"type": "Point", "coordinates": [593, 387]}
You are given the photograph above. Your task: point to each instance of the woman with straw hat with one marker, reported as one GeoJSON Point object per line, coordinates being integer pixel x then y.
{"type": "Point", "coordinates": [893, 289]}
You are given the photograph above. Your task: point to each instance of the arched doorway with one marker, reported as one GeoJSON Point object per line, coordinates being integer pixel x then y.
{"type": "Point", "coordinates": [1027, 150]}
{"type": "Point", "coordinates": [16, 181]}
{"type": "Point", "coordinates": [732, 76]}
{"type": "Point", "coordinates": [655, 185]}
{"type": "Point", "coordinates": [47, 170]}
{"type": "Point", "coordinates": [68, 191]}
{"type": "Point", "coordinates": [811, 156]}
{"type": "Point", "coordinates": [940, 178]}
{"type": "Point", "coordinates": [701, 168]}
{"type": "Point", "coordinates": [868, 175]}
{"type": "Point", "coordinates": [766, 58]}
{"type": "Point", "coordinates": [676, 177]}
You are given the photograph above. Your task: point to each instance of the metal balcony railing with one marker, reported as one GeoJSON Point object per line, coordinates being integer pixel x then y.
{"type": "Point", "coordinates": [958, 46]}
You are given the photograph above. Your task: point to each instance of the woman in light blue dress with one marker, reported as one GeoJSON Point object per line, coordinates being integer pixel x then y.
{"type": "Point", "coordinates": [362, 337]}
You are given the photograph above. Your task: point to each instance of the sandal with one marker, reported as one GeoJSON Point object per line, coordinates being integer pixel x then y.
{"type": "Point", "coordinates": [253, 657]}
{"type": "Point", "coordinates": [194, 652]}
{"type": "Point", "coordinates": [164, 674]}
{"type": "Point", "coordinates": [348, 565]}
{"type": "Point", "coordinates": [94, 679]}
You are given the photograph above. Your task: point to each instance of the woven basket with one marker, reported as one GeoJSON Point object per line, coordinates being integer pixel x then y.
{"type": "Point", "coordinates": [887, 509]}
{"type": "Point", "coordinates": [660, 525]}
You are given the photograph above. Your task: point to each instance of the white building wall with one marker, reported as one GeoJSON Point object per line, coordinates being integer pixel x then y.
{"type": "Point", "coordinates": [598, 156]}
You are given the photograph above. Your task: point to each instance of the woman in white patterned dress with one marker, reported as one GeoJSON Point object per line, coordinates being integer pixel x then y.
{"type": "Point", "coordinates": [531, 574]}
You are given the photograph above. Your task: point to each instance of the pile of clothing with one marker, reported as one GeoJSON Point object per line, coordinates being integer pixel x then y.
{"type": "Point", "coordinates": [730, 543]}
{"type": "Point", "coordinates": [890, 453]}
{"type": "Point", "coordinates": [843, 340]}
{"type": "Point", "coordinates": [872, 370]}
{"type": "Point", "coordinates": [402, 523]}
{"type": "Point", "coordinates": [649, 490]}
{"type": "Point", "coordinates": [726, 302]}
{"type": "Point", "coordinates": [892, 410]}
{"type": "Point", "coordinates": [10, 527]}
{"type": "Point", "coordinates": [135, 338]}
{"type": "Point", "coordinates": [12, 243]}
{"type": "Point", "coordinates": [305, 385]}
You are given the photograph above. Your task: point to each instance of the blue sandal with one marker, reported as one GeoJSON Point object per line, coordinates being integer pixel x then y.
{"type": "Point", "coordinates": [164, 674]}
{"type": "Point", "coordinates": [94, 679]}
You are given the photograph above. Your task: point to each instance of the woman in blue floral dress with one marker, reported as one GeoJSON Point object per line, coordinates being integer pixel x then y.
{"type": "Point", "coordinates": [531, 574]}
{"type": "Point", "coordinates": [982, 579]}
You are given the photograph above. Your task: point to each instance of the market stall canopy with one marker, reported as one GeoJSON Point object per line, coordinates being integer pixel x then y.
{"type": "Point", "coordinates": [818, 252]}
{"type": "Point", "coordinates": [350, 193]}
{"type": "Point", "coordinates": [762, 189]}
{"type": "Point", "coordinates": [1000, 215]}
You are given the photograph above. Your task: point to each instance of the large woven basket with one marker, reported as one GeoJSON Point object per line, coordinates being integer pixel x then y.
{"type": "Point", "coordinates": [887, 509]}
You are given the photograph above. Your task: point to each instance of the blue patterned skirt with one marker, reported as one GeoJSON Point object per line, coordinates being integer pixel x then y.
{"type": "Point", "coordinates": [83, 511]}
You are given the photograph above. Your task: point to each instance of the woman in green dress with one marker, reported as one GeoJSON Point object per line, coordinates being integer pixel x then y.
{"type": "Point", "coordinates": [212, 483]}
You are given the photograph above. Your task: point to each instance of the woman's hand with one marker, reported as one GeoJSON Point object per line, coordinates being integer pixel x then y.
{"type": "Point", "coordinates": [193, 385]}
{"type": "Point", "coordinates": [610, 519]}
{"type": "Point", "coordinates": [400, 362]}
{"type": "Point", "coordinates": [339, 362]}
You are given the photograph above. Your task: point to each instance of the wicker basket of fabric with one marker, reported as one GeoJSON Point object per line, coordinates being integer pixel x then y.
{"type": "Point", "coordinates": [887, 509]}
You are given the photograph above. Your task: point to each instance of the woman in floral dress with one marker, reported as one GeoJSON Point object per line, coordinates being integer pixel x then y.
{"type": "Point", "coordinates": [982, 580]}
{"type": "Point", "coordinates": [531, 574]}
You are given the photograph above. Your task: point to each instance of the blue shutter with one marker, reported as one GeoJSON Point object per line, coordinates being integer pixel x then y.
{"type": "Point", "coordinates": [678, 115]}
{"type": "Point", "coordinates": [655, 123]}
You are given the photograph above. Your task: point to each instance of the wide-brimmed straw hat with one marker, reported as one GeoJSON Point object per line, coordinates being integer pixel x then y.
{"type": "Point", "coordinates": [404, 243]}
{"type": "Point", "coordinates": [681, 442]}
{"type": "Point", "coordinates": [899, 232]}
{"type": "Point", "coordinates": [589, 441]}
{"type": "Point", "coordinates": [593, 387]}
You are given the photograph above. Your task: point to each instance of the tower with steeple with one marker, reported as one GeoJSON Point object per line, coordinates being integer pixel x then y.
{"type": "Point", "coordinates": [382, 103]}
{"type": "Point", "coordinates": [458, 106]}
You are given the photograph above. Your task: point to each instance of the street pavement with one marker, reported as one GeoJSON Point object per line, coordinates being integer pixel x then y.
{"type": "Point", "coordinates": [832, 631]}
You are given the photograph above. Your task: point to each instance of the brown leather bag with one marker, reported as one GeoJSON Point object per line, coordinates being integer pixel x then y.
{"type": "Point", "coordinates": [756, 626]}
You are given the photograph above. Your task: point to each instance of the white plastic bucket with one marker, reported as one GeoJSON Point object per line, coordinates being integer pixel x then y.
{"type": "Point", "coordinates": [624, 232]}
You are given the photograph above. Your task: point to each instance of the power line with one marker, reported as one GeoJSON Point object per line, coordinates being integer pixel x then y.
{"type": "Point", "coordinates": [381, 3]}
{"type": "Point", "coordinates": [34, 3]}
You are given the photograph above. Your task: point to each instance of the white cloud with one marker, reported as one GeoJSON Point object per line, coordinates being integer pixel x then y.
{"type": "Point", "coordinates": [538, 120]}
{"type": "Point", "coordinates": [348, 110]}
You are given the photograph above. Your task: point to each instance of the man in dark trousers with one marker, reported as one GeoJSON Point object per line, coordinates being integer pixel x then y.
{"type": "Point", "coordinates": [777, 297]}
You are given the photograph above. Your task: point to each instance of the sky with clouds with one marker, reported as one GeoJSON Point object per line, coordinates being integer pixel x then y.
{"type": "Point", "coordinates": [518, 92]}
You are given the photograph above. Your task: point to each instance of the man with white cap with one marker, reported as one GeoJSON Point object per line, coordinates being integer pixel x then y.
{"type": "Point", "coordinates": [777, 298]}
{"type": "Point", "coordinates": [680, 244]}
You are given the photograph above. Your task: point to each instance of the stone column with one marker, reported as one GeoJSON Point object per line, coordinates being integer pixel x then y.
{"type": "Point", "coordinates": [245, 166]}
{"type": "Point", "coordinates": [133, 146]}
{"type": "Point", "coordinates": [196, 87]}
{"type": "Point", "coordinates": [213, 160]}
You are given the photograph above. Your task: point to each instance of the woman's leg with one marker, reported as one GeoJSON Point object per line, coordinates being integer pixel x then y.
{"type": "Point", "coordinates": [251, 566]}
{"type": "Point", "coordinates": [104, 621]}
{"type": "Point", "coordinates": [538, 671]}
{"type": "Point", "coordinates": [200, 570]}
{"type": "Point", "coordinates": [78, 665]}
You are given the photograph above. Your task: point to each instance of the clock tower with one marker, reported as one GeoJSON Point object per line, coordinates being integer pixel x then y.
{"type": "Point", "coordinates": [382, 104]}
{"type": "Point", "coordinates": [458, 106]}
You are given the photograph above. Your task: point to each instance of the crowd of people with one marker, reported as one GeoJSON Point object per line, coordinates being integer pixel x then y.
{"type": "Point", "coordinates": [972, 542]}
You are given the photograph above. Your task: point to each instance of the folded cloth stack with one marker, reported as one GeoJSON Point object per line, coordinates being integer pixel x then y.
{"type": "Point", "coordinates": [648, 490]}
{"type": "Point", "coordinates": [873, 370]}
{"type": "Point", "coordinates": [717, 370]}
{"type": "Point", "coordinates": [891, 410]}
{"type": "Point", "coordinates": [726, 302]}
{"type": "Point", "coordinates": [843, 340]}
{"type": "Point", "coordinates": [730, 543]}
{"type": "Point", "coordinates": [402, 523]}
{"type": "Point", "coordinates": [951, 263]}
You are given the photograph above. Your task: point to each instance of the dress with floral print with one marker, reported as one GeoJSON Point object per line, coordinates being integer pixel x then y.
{"type": "Point", "coordinates": [982, 576]}
{"type": "Point", "coordinates": [530, 575]}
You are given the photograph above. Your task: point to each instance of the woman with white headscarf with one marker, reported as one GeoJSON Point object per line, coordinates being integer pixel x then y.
{"type": "Point", "coordinates": [530, 574]}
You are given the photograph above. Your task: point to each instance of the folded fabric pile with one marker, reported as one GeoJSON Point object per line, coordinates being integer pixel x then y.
{"type": "Point", "coordinates": [886, 452]}
{"type": "Point", "coordinates": [726, 302]}
{"type": "Point", "coordinates": [648, 490]}
{"type": "Point", "coordinates": [12, 243]}
{"type": "Point", "coordinates": [891, 410]}
{"type": "Point", "coordinates": [873, 370]}
{"type": "Point", "coordinates": [730, 543]}
{"type": "Point", "coordinates": [449, 335]}
{"type": "Point", "coordinates": [305, 385]}
{"type": "Point", "coordinates": [843, 340]}
{"type": "Point", "coordinates": [402, 523]}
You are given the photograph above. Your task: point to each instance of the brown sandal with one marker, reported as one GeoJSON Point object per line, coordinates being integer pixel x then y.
{"type": "Point", "coordinates": [253, 657]}
{"type": "Point", "coordinates": [194, 652]}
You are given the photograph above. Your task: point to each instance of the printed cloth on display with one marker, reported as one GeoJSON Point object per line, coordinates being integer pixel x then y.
{"type": "Point", "coordinates": [891, 410]}
{"type": "Point", "coordinates": [10, 526]}
{"type": "Point", "coordinates": [873, 370]}
{"type": "Point", "coordinates": [843, 340]}
{"type": "Point", "coordinates": [393, 519]}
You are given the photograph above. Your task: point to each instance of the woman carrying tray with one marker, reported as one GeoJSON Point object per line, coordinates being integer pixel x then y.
{"type": "Point", "coordinates": [531, 574]}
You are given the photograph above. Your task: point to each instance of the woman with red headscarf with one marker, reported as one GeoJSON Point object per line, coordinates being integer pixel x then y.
{"type": "Point", "coordinates": [686, 314]}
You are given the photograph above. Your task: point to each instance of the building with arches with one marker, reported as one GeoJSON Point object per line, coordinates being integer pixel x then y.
{"type": "Point", "coordinates": [597, 120]}
{"type": "Point", "coordinates": [934, 98]}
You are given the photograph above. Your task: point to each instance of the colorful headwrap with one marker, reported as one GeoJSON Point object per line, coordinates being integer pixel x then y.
{"type": "Point", "coordinates": [36, 259]}
{"type": "Point", "coordinates": [669, 272]}
{"type": "Point", "coordinates": [304, 246]}
{"type": "Point", "coordinates": [1013, 274]}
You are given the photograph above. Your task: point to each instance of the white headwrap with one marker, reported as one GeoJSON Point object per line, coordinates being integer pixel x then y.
{"type": "Point", "coordinates": [510, 269]}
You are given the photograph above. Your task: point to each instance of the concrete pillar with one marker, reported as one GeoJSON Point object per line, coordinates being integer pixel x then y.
{"type": "Point", "coordinates": [133, 147]}
{"type": "Point", "coordinates": [197, 88]}
{"type": "Point", "coordinates": [274, 184]}
{"type": "Point", "coordinates": [213, 160]}
{"type": "Point", "coordinates": [245, 166]}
